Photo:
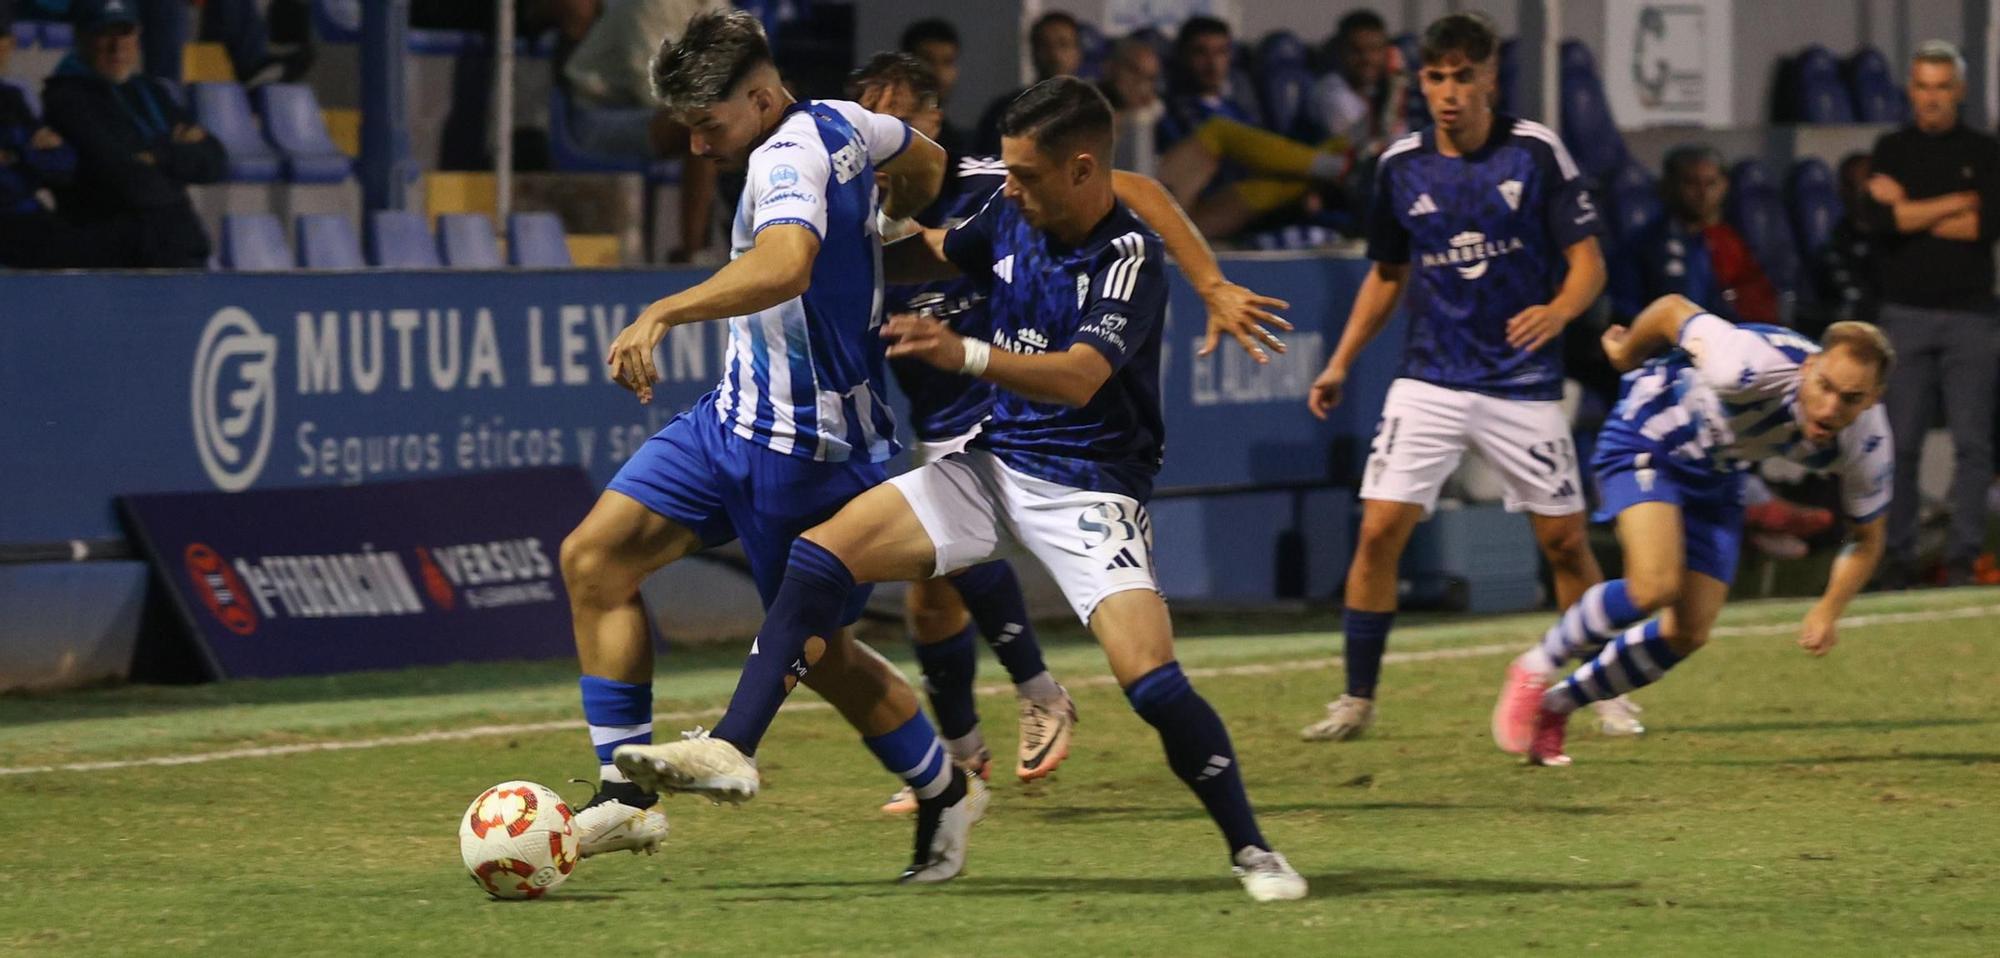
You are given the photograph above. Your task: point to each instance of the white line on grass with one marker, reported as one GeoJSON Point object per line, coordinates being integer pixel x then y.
{"type": "Point", "coordinates": [1259, 668]}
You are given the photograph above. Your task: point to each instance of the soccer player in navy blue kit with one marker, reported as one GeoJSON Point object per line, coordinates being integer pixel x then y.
{"type": "Point", "coordinates": [946, 409]}
{"type": "Point", "coordinates": [1077, 290]}
{"type": "Point", "coordinates": [798, 425]}
{"type": "Point", "coordinates": [1484, 219]}
{"type": "Point", "coordinates": [1711, 400]}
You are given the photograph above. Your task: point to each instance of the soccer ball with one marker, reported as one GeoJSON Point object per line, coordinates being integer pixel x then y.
{"type": "Point", "coordinates": [518, 840]}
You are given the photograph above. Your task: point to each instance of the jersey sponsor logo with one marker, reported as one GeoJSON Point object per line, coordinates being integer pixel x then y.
{"type": "Point", "coordinates": [1424, 206]}
{"type": "Point", "coordinates": [1589, 209]}
{"type": "Point", "coordinates": [782, 145]}
{"type": "Point", "coordinates": [848, 162]}
{"type": "Point", "coordinates": [1005, 269]}
{"type": "Point", "coordinates": [234, 398]}
{"type": "Point", "coordinates": [787, 196]}
{"type": "Point", "coordinates": [1471, 253]}
{"type": "Point", "coordinates": [784, 176]}
{"type": "Point", "coordinates": [1511, 192]}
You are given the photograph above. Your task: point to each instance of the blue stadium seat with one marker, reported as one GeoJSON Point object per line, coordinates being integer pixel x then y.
{"type": "Point", "coordinates": [1283, 88]}
{"type": "Point", "coordinates": [1096, 49]}
{"type": "Point", "coordinates": [466, 241]}
{"type": "Point", "coordinates": [1415, 110]}
{"type": "Point", "coordinates": [1243, 85]}
{"type": "Point", "coordinates": [58, 36]}
{"type": "Point", "coordinates": [1587, 126]}
{"type": "Point", "coordinates": [1635, 201]}
{"type": "Point", "coordinates": [1821, 96]}
{"type": "Point", "coordinates": [1283, 47]}
{"type": "Point", "coordinates": [224, 110]}
{"type": "Point", "coordinates": [1757, 211]}
{"type": "Point", "coordinates": [1814, 198]}
{"type": "Point", "coordinates": [445, 43]}
{"type": "Point", "coordinates": [327, 241]}
{"type": "Point", "coordinates": [292, 117]}
{"type": "Point", "coordinates": [25, 35]}
{"type": "Point", "coordinates": [401, 240]}
{"type": "Point", "coordinates": [337, 21]}
{"type": "Point", "coordinates": [254, 243]}
{"type": "Point", "coordinates": [536, 240]}
{"type": "Point", "coordinates": [28, 93]}
{"type": "Point", "coordinates": [569, 156]}
{"type": "Point", "coordinates": [1877, 98]}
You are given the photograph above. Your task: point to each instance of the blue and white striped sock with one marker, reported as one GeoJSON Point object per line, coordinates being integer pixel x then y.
{"type": "Point", "coordinates": [619, 713]}
{"type": "Point", "coordinates": [1635, 660]}
{"type": "Point", "coordinates": [914, 753]}
{"type": "Point", "coordinates": [1603, 612]}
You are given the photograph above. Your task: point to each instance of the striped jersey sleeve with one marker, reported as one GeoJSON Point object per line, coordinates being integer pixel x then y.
{"type": "Point", "coordinates": [1126, 296]}
{"type": "Point", "coordinates": [1744, 363]}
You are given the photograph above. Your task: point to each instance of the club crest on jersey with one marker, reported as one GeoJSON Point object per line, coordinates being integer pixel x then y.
{"type": "Point", "coordinates": [1511, 192]}
{"type": "Point", "coordinates": [784, 176]}
{"type": "Point", "coordinates": [1082, 289]}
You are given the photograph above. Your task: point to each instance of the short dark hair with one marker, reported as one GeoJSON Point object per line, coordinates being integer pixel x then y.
{"type": "Point", "coordinates": [926, 31]}
{"type": "Point", "coordinates": [1356, 22]}
{"type": "Point", "coordinates": [1194, 29]}
{"type": "Point", "coordinates": [1053, 18]}
{"type": "Point", "coordinates": [1059, 112]}
{"type": "Point", "coordinates": [1470, 35]}
{"type": "Point", "coordinates": [718, 50]}
{"type": "Point", "coordinates": [893, 68]}
{"type": "Point", "coordinates": [1681, 157]}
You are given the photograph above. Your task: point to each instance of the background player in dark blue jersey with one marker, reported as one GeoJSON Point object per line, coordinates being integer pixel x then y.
{"type": "Point", "coordinates": [946, 409]}
{"type": "Point", "coordinates": [1485, 219]}
{"type": "Point", "coordinates": [1077, 290]}
{"type": "Point", "coordinates": [797, 426]}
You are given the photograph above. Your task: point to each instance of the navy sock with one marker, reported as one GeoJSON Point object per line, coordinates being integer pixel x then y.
{"type": "Point", "coordinates": [1198, 750]}
{"type": "Point", "coordinates": [618, 713]}
{"type": "Point", "coordinates": [805, 612]}
{"type": "Point", "coordinates": [949, 668]}
{"type": "Point", "coordinates": [993, 595]}
{"type": "Point", "coordinates": [1367, 634]}
{"type": "Point", "coordinates": [913, 753]}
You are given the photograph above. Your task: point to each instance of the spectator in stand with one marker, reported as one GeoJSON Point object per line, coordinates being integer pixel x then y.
{"type": "Point", "coordinates": [137, 147]}
{"type": "Point", "coordinates": [1843, 272]}
{"type": "Point", "coordinates": [1934, 204]}
{"type": "Point", "coordinates": [935, 41]}
{"type": "Point", "coordinates": [1361, 99]}
{"type": "Point", "coordinates": [1132, 84]}
{"type": "Point", "coordinates": [1691, 251]}
{"type": "Point", "coordinates": [1056, 47]}
{"type": "Point", "coordinates": [1203, 51]}
{"type": "Point", "coordinates": [609, 75]}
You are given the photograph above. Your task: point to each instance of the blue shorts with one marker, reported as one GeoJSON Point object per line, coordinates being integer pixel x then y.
{"type": "Point", "coordinates": [1631, 471]}
{"type": "Point", "coordinates": [699, 473]}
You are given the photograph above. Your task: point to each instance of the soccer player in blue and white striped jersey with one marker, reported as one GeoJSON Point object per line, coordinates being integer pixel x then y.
{"type": "Point", "coordinates": [797, 426]}
{"type": "Point", "coordinates": [1711, 401]}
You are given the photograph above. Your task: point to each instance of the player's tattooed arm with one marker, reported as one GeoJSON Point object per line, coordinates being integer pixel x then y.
{"type": "Point", "coordinates": [777, 268]}
{"type": "Point", "coordinates": [1537, 326]}
{"type": "Point", "coordinates": [1657, 329]}
{"type": "Point", "coordinates": [1235, 310]}
{"type": "Point", "coordinates": [1070, 378]}
{"type": "Point", "coordinates": [1851, 571]}
{"type": "Point", "coordinates": [1379, 291]}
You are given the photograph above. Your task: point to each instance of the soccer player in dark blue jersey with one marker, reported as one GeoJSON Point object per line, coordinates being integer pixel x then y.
{"type": "Point", "coordinates": [1484, 219]}
{"type": "Point", "coordinates": [946, 410]}
{"type": "Point", "coordinates": [1077, 292]}
{"type": "Point", "coordinates": [798, 425]}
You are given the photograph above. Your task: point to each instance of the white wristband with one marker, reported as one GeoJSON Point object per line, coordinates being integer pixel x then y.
{"type": "Point", "coordinates": [977, 353]}
{"type": "Point", "coordinates": [893, 231]}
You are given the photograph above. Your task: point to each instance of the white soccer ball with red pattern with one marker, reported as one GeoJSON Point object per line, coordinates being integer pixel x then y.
{"type": "Point", "coordinates": [518, 840]}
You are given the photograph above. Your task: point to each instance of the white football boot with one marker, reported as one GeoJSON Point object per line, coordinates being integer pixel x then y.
{"type": "Point", "coordinates": [943, 832]}
{"type": "Point", "coordinates": [697, 763]}
{"type": "Point", "coordinates": [1618, 717]}
{"type": "Point", "coordinates": [1346, 717]}
{"type": "Point", "coordinates": [617, 827]}
{"type": "Point", "coordinates": [1267, 876]}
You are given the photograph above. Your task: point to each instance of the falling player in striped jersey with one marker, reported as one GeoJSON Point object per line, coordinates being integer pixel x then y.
{"type": "Point", "coordinates": [798, 425]}
{"type": "Point", "coordinates": [946, 410]}
{"type": "Point", "coordinates": [1711, 400]}
{"type": "Point", "coordinates": [1485, 220]}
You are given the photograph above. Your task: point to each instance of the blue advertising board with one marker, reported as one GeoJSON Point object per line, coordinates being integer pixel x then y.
{"type": "Point", "coordinates": [317, 580]}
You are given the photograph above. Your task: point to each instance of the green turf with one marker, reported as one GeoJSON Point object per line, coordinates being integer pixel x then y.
{"type": "Point", "coordinates": [1781, 805]}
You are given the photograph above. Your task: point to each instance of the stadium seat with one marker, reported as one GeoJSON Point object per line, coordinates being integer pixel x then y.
{"type": "Point", "coordinates": [254, 243]}
{"type": "Point", "coordinates": [401, 240]}
{"type": "Point", "coordinates": [567, 155]}
{"type": "Point", "coordinates": [1243, 85]}
{"type": "Point", "coordinates": [466, 241]}
{"type": "Point", "coordinates": [224, 110]}
{"type": "Point", "coordinates": [1283, 47]}
{"type": "Point", "coordinates": [1757, 211]}
{"type": "Point", "coordinates": [28, 93]}
{"type": "Point", "coordinates": [1635, 201]}
{"type": "Point", "coordinates": [1821, 97]}
{"type": "Point", "coordinates": [327, 241]}
{"type": "Point", "coordinates": [536, 240]}
{"type": "Point", "coordinates": [25, 35]}
{"type": "Point", "coordinates": [1096, 49]}
{"type": "Point", "coordinates": [292, 116]}
{"type": "Point", "coordinates": [1587, 126]}
{"type": "Point", "coordinates": [58, 36]}
{"type": "Point", "coordinates": [1283, 89]}
{"type": "Point", "coordinates": [445, 43]}
{"type": "Point", "coordinates": [337, 21]}
{"type": "Point", "coordinates": [1876, 96]}
{"type": "Point", "coordinates": [1814, 199]}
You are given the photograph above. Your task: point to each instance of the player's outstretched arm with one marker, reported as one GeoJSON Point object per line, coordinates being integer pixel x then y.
{"type": "Point", "coordinates": [1851, 571]}
{"type": "Point", "coordinates": [1537, 326]}
{"type": "Point", "coordinates": [911, 179]}
{"type": "Point", "coordinates": [919, 258]}
{"type": "Point", "coordinates": [776, 269]}
{"type": "Point", "coordinates": [1379, 291]}
{"type": "Point", "coordinates": [1232, 309]}
{"type": "Point", "coordinates": [1657, 329]}
{"type": "Point", "coordinates": [1070, 378]}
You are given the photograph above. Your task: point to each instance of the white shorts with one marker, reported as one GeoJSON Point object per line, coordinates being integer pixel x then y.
{"type": "Point", "coordinates": [926, 452]}
{"type": "Point", "coordinates": [1426, 429]}
{"type": "Point", "coordinates": [974, 509]}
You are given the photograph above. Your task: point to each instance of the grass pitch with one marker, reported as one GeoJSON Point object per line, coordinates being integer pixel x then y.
{"type": "Point", "coordinates": [1779, 805]}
